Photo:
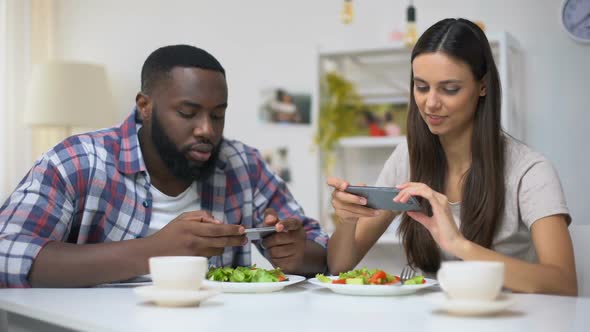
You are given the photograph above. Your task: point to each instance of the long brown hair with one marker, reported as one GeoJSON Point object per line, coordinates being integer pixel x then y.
{"type": "Point", "coordinates": [483, 186]}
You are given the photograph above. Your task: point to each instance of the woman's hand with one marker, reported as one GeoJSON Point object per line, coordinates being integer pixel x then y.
{"type": "Point", "coordinates": [441, 225]}
{"type": "Point", "coordinates": [348, 207]}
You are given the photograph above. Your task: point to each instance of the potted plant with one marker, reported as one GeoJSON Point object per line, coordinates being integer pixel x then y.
{"type": "Point", "coordinates": [340, 106]}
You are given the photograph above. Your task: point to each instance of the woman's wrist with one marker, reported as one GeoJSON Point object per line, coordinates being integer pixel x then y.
{"type": "Point", "coordinates": [347, 221]}
{"type": "Point", "coordinates": [345, 230]}
{"type": "Point", "coordinates": [461, 247]}
{"type": "Point", "coordinates": [348, 225]}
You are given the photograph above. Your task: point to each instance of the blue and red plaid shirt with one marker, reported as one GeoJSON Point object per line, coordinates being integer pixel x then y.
{"type": "Point", "coordinates": [95, 187]}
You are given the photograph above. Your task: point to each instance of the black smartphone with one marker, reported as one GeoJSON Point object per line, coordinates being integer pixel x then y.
{"type": "Point", "coordinates": [381, 198]}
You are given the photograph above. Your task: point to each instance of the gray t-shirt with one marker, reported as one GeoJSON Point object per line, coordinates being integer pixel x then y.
{"type": "Point", "coordinates": [533, 191]}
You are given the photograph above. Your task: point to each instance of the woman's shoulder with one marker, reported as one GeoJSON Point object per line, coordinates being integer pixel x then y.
{"type": "Point", "coordinates": [400, 151]}
{"type": "Point", "coordinates": [535, 181]}
{"type": "Point", "coordinates": [396, 168]}
{"type": "Point", "coordinates": [400, 156]}
{"type": "Point", "coordinates": [520, 158]}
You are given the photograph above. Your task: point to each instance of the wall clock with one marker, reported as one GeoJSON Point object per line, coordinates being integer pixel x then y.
{"type": "Point", "coordinates": [575, 19]}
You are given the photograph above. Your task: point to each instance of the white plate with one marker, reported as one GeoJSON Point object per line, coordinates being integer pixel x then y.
{"type": "Point", "coordinates": [173, 297]}
{"type": "Point", "coordinates": [470, 307]}
{"type": "Point", "coordinates": [142, 280]}
{"type": "Point", "coordinates": [372, 290]}
{"type": "Point", "coordinates": [252, 287]}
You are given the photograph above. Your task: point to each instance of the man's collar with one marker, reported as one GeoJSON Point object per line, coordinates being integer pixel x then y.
{"type": "Point", "coordinates": [130, 156]}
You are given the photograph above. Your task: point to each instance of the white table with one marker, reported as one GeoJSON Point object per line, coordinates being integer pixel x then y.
{"type": "Point", "coordinates": [302, 307]}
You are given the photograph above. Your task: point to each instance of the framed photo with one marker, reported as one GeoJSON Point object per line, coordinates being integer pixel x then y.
{"type": "Point", "coordinates": [280, 106]}
{"type": "Point", "coordinates": [278, 160]}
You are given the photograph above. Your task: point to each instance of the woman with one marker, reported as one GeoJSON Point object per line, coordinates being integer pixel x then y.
{"type": "Point", "coordinates": [490, 196]}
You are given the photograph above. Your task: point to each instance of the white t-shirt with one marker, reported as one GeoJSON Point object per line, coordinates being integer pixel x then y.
{"type": "Point", "coordinates": [165, 208]}
{"type": "Point", "coordinates": [533, 191]}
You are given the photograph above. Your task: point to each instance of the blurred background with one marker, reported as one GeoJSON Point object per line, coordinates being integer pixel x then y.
{"type": "Point", "coordinates": [270, 45]}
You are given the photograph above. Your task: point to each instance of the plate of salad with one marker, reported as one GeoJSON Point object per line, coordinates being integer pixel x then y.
{"type": "Point", "coordinates": [252, 279]}
{"type": "Point", "coordinates": [371, 283]}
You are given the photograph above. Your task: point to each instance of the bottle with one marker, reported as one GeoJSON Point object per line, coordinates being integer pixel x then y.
{"type": "Point", "coordinates": [347, 12]}
{"type": "Point", "coordinates": [411, 36]}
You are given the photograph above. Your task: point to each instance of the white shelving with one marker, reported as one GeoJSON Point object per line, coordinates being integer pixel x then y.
{"type": "Point", "coordinates": [370, 142]}
{"type": "Point", "coordinates": [381, 74]}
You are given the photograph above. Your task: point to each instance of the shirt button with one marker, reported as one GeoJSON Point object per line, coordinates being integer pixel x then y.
{"type": "Point", "coordinates": [146, 204]}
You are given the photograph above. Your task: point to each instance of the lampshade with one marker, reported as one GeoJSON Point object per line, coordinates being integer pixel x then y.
{"type": "Point", "coordinates": [69, 94]}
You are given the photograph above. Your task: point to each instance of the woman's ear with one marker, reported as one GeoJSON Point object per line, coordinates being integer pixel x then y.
{"type": "Point", "coordinates": [482, 88]}
{"type": "Point", "coordinates": [144, 105]}
{"type": "Point", "coordinates": [483, 91]}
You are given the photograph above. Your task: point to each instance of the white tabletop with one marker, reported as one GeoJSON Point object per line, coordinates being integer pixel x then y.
{"type": "Point", "coordinates": [302, 307]}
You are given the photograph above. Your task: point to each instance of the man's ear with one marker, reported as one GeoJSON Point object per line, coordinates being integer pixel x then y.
{"type": "Point", "coordinates": [144, 105]}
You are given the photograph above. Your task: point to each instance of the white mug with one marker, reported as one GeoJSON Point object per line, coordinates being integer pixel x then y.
{"type": "Point", "coordinates": [178, 272]}
{"type": "Point", "coordinates": [471, 280]}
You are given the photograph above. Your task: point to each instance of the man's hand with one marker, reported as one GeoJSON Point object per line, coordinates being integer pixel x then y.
{"type": "Point", "coordinates": [286, 247]}
{"type": "Point", "coordinates": [196, 233]}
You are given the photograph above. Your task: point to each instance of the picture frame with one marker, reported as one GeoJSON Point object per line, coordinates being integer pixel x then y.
{"type": "Point", "coordinates": [281, 106]}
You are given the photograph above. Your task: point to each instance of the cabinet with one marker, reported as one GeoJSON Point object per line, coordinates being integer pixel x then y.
{"type": "Point", "coordinates": [381, 75]}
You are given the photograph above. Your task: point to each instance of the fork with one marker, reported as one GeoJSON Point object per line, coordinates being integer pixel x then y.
{"type": "Point", "coordinates": [406, 274]}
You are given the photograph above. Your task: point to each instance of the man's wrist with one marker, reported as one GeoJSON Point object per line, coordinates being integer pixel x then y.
{"type": "Point", "coordinates": [140, 255]}
{"type": "Point", "coordinates": [313, 260]}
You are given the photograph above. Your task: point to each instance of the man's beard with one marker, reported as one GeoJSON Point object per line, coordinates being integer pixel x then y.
{"type": "Point", "coordinates": [175, 159]}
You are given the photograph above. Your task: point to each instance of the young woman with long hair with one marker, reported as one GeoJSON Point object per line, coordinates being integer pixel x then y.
{"type": "Point", "coordinates": [489, 196]}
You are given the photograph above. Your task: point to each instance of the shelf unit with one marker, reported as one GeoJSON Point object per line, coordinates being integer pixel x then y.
{"type": "Point", "coordinates": [370, 142]}
{"type": "Point", "coordinates": [381, 74]}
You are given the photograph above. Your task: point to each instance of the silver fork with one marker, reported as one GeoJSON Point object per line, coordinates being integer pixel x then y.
{"type": "Point", "coordinates": [406, 274]}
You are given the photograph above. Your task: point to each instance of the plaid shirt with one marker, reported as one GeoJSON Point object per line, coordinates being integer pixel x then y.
{"type": "Point", "coordinates": [95, 187]}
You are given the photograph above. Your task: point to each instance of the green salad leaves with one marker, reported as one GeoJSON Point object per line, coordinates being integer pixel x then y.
{"type": "Point", "coordinates": [368, 277]}
{"type": "Point", "coordinates": [245, 274]}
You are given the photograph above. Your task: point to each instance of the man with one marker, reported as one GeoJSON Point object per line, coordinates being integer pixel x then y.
{"type": "Point", "coordinates": [98, 205]}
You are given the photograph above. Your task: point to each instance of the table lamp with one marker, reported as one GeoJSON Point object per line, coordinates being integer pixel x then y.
{"type": "Point", "coordinates": [64, 95]}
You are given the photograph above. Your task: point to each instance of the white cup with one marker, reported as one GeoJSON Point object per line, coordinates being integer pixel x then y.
{"type": "Point", "coordinates": [178, 272]}
{"type": "Point", "coordinates": [471, 280]}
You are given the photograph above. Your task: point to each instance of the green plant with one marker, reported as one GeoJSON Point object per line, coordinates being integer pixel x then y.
{"type": "Point", "coordinates": [340, 105]}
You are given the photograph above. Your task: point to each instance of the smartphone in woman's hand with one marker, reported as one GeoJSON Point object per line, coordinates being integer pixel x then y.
{"type": "Point", "coordinates": [382, 198]}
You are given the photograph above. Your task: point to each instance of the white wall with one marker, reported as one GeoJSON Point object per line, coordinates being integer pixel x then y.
{"type": "Point", "coordinates": [263, 43]}
{"type": "Point", "coordinates": [2, 98]}
{"type": "Point", "coordinates": [17, 57]}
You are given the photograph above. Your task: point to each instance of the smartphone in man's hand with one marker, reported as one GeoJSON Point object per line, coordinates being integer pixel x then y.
{"type": "Point", "coordinates": [259, 232]}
